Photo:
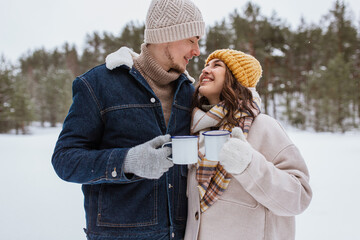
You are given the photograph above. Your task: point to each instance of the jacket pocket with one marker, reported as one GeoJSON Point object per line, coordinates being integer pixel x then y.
{"type": "Point", "coordinates": [235, 193]}
{"type": "Point", "coordinates": [128, 205]}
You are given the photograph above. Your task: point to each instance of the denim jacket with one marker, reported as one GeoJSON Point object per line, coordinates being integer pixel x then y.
{"type": "Point", "coordinates": [112, 111]}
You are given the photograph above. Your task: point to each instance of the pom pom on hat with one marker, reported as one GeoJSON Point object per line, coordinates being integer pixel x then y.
{"type": "Point", "coordinates": [173, 20]}
{"type": "Point", "coordinates": [245, 68]}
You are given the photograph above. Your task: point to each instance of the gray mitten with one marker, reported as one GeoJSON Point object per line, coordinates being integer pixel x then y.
{"type": "Point", "coordinates": [149, 160]}
{"type": "Point", "coordinates": [236, 153]}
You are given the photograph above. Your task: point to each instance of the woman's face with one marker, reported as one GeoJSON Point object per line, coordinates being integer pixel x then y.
{"type": "Point", "coordinates": [212, 79]}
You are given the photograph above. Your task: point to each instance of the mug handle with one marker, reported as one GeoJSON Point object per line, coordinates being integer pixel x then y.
{"type": "Point", "coordinates": [167, 143]}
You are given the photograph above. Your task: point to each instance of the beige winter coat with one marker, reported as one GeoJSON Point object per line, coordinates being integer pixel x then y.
{"type": "Point", "coordinates": [260, 203]}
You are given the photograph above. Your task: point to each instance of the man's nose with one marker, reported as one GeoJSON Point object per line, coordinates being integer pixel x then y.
{"type": "Point", "coordinates": [196, 50]}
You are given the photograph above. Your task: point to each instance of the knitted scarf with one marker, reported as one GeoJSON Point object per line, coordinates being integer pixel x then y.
{"type": "Point", "coordinates": [211, 176]}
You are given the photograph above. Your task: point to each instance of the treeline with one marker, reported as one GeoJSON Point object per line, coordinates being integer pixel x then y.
{"type": "Point", "coordinates": [311, 75]}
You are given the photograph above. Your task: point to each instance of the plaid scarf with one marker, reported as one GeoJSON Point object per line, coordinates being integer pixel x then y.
{"type": "Point", "coordinates": [211, 176]}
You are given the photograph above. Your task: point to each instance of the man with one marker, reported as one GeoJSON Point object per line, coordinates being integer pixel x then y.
{"type": "Point", "coordinates": [120, 116]}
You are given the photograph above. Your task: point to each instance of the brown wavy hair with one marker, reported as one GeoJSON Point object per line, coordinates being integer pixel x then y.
{"type": "Point", "coordinates": [235, 96]}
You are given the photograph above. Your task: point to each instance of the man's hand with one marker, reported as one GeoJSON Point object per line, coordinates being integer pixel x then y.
{"type": "Point", "coordinates": [149, 160]}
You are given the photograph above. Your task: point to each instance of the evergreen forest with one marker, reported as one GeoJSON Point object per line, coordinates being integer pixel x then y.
{"type": "Point", "coordinates": [311, 74]}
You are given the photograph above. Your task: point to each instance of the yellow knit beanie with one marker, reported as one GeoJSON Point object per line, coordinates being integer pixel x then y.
{"type": "Point", "coordinates": [245, 68]}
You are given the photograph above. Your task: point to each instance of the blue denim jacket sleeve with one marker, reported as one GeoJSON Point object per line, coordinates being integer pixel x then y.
{"type": "Point", "coordinates": [78, 156]}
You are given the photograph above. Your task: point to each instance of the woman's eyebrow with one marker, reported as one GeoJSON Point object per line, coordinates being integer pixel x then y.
{"type": "Point", "coordinates": [218, 60]}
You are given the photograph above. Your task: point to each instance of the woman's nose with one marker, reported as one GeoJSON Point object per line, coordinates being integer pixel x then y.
{"type": "Point", "coordinates": [206, 69]}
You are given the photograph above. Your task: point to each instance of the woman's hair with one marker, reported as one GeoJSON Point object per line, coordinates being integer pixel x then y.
{"type": "Point", "coordinates": [235, 96]}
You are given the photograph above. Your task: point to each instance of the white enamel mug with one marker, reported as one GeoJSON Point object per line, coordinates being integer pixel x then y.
{"type": "Point", "coordinates": [214, 141]}
{"type": "Point", "coordinates": [184, 149]}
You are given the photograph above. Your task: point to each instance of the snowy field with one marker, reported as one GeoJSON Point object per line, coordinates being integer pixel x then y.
{"type": "Point", "coordinates": [36, 205]}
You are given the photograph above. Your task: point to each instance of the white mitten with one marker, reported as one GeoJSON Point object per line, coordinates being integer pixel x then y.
{"type": "Point", "coordinates": [236, 153]}
{"type": "Point", "coordinates": [149, 160]}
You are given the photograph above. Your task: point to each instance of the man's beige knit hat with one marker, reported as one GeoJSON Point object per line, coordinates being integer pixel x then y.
{"type": "Point", "coordinates": [245, 68]}
{"type": "Point", "coordinates": [173, 20]}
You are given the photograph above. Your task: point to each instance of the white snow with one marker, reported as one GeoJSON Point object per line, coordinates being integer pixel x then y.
{"type": "Point", "coordinates": [36, 205]}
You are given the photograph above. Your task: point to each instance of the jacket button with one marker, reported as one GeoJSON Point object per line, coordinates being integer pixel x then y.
{"type": "Point", "coordinates": [152, 100]}
{"type": "Point", "coordinates": [197, 215]}
{"type": "Point", "coordinates": [114, 173]}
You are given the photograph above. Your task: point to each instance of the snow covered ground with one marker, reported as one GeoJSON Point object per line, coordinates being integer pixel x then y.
{"type": "Point", "coordinates": [36, 205]}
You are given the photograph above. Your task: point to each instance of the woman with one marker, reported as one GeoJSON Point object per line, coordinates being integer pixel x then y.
{"type": "Point", "coordinates": [261, 180]}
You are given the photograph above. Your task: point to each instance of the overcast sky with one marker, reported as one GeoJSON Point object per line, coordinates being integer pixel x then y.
{"type": "Point", "coordinates": [26, 25]}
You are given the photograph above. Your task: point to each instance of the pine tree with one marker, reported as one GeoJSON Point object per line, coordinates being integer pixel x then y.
{"type": "Point", "coordinates": [56, 95]}
{"type": "Point", "coordinates": [218, 37]}
{"type": "Point", "coordinates": [6, 94]}
{"type": "Point", "coordinates": [22, 113]}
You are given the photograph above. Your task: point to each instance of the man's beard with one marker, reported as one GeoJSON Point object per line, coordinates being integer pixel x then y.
{"type": "Point", "coordinates": [173, 66]}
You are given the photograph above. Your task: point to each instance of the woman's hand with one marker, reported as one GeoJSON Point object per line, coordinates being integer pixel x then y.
{"type": "Point", "coordinates": [236, 154]}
